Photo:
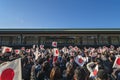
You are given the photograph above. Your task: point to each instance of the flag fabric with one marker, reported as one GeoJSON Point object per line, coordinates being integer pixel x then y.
{"type": "Point", "coordinates": [80, 60]}
{"type": "Point", "coordinates": [54, 44]}
{"type": "Point", "coordinates": [6, 49]}
{"type": "Point", "coordinates": [11, 70]}
{"type": "Point", "coordinates": [28, 50]}
{"type": "Point", "coordinates": [94, 72]}
{"type": "Point", "coordinates": [56, 52]}
{"type": "Point", "coordinates": [17, 51]}
{"type": "Point", "coordinates": [41, 46]}
{"type": "Point", "coordinates": [55, 58]}
{"type": "Point", "coordinates": [117, 62]}
{"type": "Point", "coordinates": [65, 50]}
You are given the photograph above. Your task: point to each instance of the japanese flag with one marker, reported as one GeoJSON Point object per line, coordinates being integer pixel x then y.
{"type": "Point", "coordinates": [41, 46]}
{"type": "Point", "coordinates": [54, 44]}
{"type": "Point", "coordinates": [28, 50]}
{"type": "Point", "coordinates": [80, 60]}
{"type": "Point", "coordinates": [55, 58]}
{"type": "Point", "coordinates": [117, 62]}
{"type": "Point", "coordinates": [6, 49]}
{"type": "Point", "coordinates": [56, 52]}
{"type": "Point", "coordinates": [94, 72]}
{"type": "Point", "coordinates": [11, 70]}
{"type": "Point", "coordinates": [17, 51]}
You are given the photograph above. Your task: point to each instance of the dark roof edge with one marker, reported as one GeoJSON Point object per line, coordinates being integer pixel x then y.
{"type": "Point", "coordinates": [60, 29]}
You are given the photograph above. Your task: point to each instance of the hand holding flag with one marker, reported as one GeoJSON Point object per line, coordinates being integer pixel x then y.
{"type": "Point", "coordinates": [117, 62]}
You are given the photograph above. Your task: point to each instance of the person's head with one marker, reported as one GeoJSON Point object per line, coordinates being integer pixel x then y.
{"type": "Point", "coordinates": [77, 74]}
{"type": "Point", "coordinates": [69, 69]}
{"type": "Point", "coordinates": [39, 61]}
{"type": "Point", "coordinates": [55, 73]}
{"type": "Point", "coordinates": [71, 59]}
{"type": "Point", "coordinates": [45, 66]}
{"type": "Point", "coordinates": [97, 61]}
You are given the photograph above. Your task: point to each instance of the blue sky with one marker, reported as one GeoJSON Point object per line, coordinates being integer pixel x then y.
{"type": "Point", "coordinates": [59, 13]}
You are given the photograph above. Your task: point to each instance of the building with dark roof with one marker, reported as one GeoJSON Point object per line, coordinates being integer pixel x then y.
{"type": "Point", "coordinates": [64, 37]}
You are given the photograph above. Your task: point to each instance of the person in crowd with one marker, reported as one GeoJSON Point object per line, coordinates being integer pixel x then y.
{"type": "Point", "coordinates": [34, 70]}
{"type": "Point", "coordinates": [117, 74]}
{"type": "Point", "coordinates": [71, 61]}
{"type": "Point", "coordinates": [44, 73]}
{"type": "Point", "coordinates": [102, 75]}
{"type": "Point", "coordinates": [26, 68]}
{"type": "Point", "coordinates": [69, 72]}
{"type": "Point", "coordinates": [55, 73]}
{"type": "Point", "coordinates": [41, 64]}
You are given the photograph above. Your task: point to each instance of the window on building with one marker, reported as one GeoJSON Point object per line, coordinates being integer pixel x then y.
{"type": "Point", "coordinates": [6, 40]}
{"type": "Point", "coordinates": [16, 40]}
{"type": "Point", "coordinates": [114, 40]}
{"type": "Point", "coordinates": [103, 40]}
{"type": "Point", "coordinates": [90, 40]}
{"type": "Point", "coordinates": [30, 40]}
{"type": "Point", "coordinates": [84, 40]}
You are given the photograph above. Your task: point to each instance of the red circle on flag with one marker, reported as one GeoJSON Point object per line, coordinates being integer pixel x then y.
{"type": "Point", "coordinates": [54, 43]}
{"type": "Point", "coordinates": [7, 74]}
{"type": "Point", "coordinates": [80, 60]}
{"type": "Point", "coordinates": [7, 50]}
{"type": "Point", "coordinates": [16, 51]}
{"type": "Point", "coordinates": [95, 72]}
{"type": "Point", "coordinates": [56, 51]}
{"type": "Point", "coordinates": [118, 61]}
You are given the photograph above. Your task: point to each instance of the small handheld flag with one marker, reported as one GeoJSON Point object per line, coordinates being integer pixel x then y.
{"type": "Point", "coordinates": [56, 52]}
{"type": "Point", "coordinates": [117, 62]}
{"type": "Point", "coordinates": [54, 44]}
{"type": "Point", "coordinates": [6, 49]}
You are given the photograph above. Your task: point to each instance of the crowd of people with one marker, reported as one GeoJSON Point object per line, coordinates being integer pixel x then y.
{"type": "Point", "coordinates": [67, 63]}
